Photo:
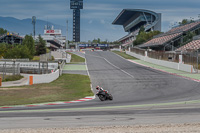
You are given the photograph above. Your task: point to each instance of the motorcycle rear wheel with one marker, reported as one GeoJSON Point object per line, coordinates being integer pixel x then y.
{"type": "Point", "coordinates": [102, 98]}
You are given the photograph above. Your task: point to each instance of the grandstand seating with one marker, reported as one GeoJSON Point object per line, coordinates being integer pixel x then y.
{"type": "Point", "coordinates": [184, 27]}
{"type": "Point", "coordinates": [170, 35]}
{"type": "Point", "coordinates": [160, 40]}
{"type": "Point", "coordinates": [128, 43]}
{"type": "Point", "coordinates": [194, 45]}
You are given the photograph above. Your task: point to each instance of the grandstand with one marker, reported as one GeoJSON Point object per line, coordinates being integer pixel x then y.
{"type": "Point", "coordinates": [11, 38]}
{"type": "Point", "coordinates": [194, 45]}
{"type": "Point", "coordinates": [172, 39]}
{"type": "Point", "coordinates": [133, 19]}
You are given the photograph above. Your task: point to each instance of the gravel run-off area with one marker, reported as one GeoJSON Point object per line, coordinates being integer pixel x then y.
{"type": "Point", "coordinates": [166, 128]}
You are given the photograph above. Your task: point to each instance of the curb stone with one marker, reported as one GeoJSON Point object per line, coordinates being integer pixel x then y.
{"type": "Point", "coordinates": [51, 103]}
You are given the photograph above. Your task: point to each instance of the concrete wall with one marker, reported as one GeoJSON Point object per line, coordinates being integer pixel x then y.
{"type": "Point", "coordinates": [115, 49]}
{"type": "Point", "coordinates": [61, 55]}
{"type": "Point", "coordinates": [174, 65]}
{"type": "Point", "coordinates": [135, 55]}
{"type": "Point", "coordinates": [68, 59]}
{"type": "Point", "coordinates": [44, 78]}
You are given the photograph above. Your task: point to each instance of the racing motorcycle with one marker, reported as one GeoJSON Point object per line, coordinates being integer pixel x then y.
{"type": "Point", "coordinates": [104, 95]}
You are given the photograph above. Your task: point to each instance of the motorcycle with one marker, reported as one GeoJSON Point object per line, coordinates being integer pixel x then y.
{"type": "Point", "coordinates": [104, 95]}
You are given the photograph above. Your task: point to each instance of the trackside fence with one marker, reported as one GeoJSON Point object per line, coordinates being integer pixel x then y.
{"type": "Point", "coordinates": [9, 69]}
{"type": "Point", "coordinates": [138, 51]}
{"type": "Point", "coordinates": [186, 57]}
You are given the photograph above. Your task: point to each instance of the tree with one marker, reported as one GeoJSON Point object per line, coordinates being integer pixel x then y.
{"type": "Point", "coordinates": [2, 31]}
{"type": "Point", "coordinates": [2, 50]}
{"type": "Point", "coordinates": [144, 37]}
{"type": "Point", "coordinates": [184, 21]}
{"type": "Point", "coordinates": [30, 44]}
{"type": "Point", "coordinates": [98, 40]}
{"type": "Point", "coordinates": [41, 46]}
{"type": "Point", "coordinates": [95, 41]}
{"type": "Point", "coordinates": [17, 52]}
{"type": "Point", "coordinates": [142, 29]}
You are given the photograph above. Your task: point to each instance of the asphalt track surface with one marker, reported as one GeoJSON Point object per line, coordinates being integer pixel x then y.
{"type": "Point", "coordinates": [141, 96]}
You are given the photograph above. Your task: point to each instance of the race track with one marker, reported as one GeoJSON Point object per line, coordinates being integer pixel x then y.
{"type": "Point", "coordinates": [141, 96]}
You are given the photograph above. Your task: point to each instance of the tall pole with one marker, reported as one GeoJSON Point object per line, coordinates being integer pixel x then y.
{"type": "Point", "coordinates": [67, 45]}
{"type": "Point", "coordinates": [34, 22]}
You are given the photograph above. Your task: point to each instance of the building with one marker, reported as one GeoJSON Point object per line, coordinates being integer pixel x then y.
{"type": "Point", "coordinates": [76, 5]}
{"type": "Point", "coordinates": [11, 38]}
{"type": "Point", "coordinates": [53, 38]}
{"type": "Point", "coordinates": [133, 19]}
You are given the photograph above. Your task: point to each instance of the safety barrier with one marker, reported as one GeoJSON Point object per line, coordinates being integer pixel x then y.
{"type": "Point", "coordinates": [43, 78]}
{"type": "Point", "coordinates": [0, 82]}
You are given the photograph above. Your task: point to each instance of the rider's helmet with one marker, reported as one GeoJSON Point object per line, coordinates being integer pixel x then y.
{"type": "Point", "coordinates": [97, 87]}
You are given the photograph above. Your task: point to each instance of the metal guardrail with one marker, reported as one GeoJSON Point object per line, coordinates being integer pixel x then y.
{"type": "Point", "coordinates": [31, 67]}
{"type": "Point", "coordinates": [14, 59]}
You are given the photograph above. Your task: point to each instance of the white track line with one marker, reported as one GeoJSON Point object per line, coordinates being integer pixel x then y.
{"type": "Point", "coordinates": [119, 68]}
{"type": "Point", "coordinates": [113, 65]}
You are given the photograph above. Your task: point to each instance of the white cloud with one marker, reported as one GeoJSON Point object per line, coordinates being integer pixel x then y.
{"type": "Point", "coordinates": [90, 22]}
{"type": "Point", "coordinates": [102, 21]}
{"type": "Point", "coordinates": [101, 7]}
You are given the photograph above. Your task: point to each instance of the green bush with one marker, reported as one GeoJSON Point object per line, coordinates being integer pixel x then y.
{"type": "Point", "coordinates": [18, 52]}
{"type": "Point", "coordinates": [36, 58]}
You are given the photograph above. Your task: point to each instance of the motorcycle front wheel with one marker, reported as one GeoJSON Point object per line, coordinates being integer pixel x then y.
{"type": "Point", "coordinates": [110, 97]}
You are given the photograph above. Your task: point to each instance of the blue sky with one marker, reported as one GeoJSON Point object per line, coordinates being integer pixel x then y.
{"type": "Point", "coordinates": [98, 15]}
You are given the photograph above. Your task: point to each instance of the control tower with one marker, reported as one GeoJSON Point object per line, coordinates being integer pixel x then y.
{"type": "Point", "coordinates": [76, 5]}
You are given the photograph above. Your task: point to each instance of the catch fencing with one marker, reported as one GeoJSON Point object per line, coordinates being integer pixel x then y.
{"type": "Point", "coordinates": [9, 69]}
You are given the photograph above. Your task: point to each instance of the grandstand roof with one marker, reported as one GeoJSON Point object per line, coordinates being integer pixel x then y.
{"type": "Point", "coordinates": [10, 34]}
{"type": "Point", "coordinates": [133, 19]}
{"type": "Point", "coordinates": [126, 14]}
{"type": "Point", "coordinates": [194, 45]}
{"type": "Point", "coordinates": [11, 38]}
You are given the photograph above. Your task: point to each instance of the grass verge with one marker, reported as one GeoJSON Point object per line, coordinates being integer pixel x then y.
{"type": "Point", "coordinates": [66, 88]}
{"type": "Point", "coordinates": [126, 56]}
{"type": "Point", "coordinates": [11, 77]}
{"type": "Point", "coordinates": [36, 58]}
{"type": "Point", "coordinates": [76, 59]}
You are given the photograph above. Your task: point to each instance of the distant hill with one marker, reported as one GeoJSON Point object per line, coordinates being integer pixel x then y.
{"type": "Point", "coordinates": [25, 26]}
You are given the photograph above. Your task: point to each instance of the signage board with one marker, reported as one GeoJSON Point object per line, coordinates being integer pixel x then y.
{"type": "Point", "coordinates": [52, 32]}
{"type": "Point", "coordinates": [102, 45]}
{"type": "Point", "coordinates": [83, 45]}
{"type": "Point", "coordinates": [76, 4]}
